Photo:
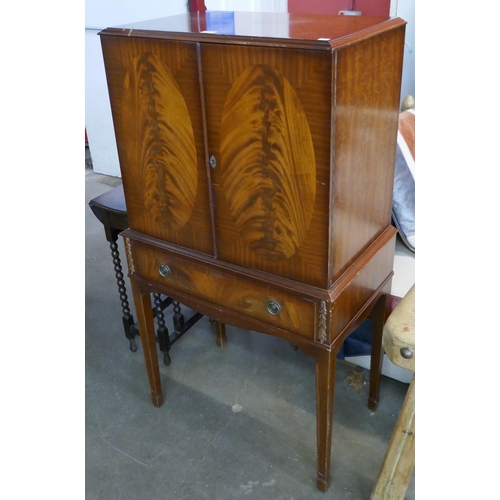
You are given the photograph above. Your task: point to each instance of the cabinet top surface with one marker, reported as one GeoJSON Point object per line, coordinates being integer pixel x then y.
{"type": "Point", "coordinates": [269, 28]}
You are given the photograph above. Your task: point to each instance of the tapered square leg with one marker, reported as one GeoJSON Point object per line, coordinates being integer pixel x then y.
{"type": "Point", "coordinates": [325, 391]}
{"type": "Point", "coordinates": [377, 353]}
{"type": "Point", "coordinates": [142, 302]}
{"type": "Point", "coordinates": [220, 334]}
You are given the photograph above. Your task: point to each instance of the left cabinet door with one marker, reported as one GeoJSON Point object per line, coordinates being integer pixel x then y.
{"type": "Point", "coordinates": [156, 105]}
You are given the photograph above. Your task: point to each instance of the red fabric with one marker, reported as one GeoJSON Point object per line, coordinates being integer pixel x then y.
{"type": "Point", "coordinates": [367, 7]}
{"type": "Point", "coordinates": [197, 6]}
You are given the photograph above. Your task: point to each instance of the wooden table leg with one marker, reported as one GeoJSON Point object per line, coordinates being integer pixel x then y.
{"type": "Point", "coordinates": [325, 390]}
{"type": "Point", "coordinates": [220, 334]}
{"type": "Point", "coordinates": [127, 318]}
{"type": "Point", "coordinates": [378, 319]}
{"type": "Point", "coordinates": [399, 460]}
{"type": "Point", "coordinates": [142, 302]}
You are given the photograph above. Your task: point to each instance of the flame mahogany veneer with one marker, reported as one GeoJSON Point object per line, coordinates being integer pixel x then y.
{"type": "Point", "coordinates": [258, 174]}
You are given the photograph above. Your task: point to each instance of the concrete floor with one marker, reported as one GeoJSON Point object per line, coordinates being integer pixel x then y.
{"type": "Point", "coordinates": [236, 423]}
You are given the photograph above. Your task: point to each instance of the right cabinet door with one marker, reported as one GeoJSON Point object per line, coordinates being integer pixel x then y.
{"type": "Point", "coordinates": [268, 115]}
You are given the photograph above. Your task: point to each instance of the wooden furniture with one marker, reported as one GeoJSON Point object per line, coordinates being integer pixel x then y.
{"type": "Point", "coordinates": [399, 461]}
{"type": "Point", "coordinates": [258, 170]}
{"type": "Point", "coordinates": [111, 210]}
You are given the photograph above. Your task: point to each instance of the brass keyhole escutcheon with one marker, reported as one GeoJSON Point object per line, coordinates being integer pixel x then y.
{"type": "Point", "coordinates": [273, 308]}
{"type": "Point", "coordinates": [164, 270]}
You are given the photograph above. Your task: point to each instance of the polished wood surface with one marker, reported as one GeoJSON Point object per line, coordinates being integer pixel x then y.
{"type": "Point", "coordinates": [259, 172]}
{"type": "Point", "coordinates": [142, 302]}
{"type": "Point", "coordinates": [275, 104]}
{"type": "Point", "coordinates": [265, 29]}
{"type": "Point", "coordinates": [110, 209]}
{"type": "Point", "coordinates": [159, 110]}
{"type": "Point", "coordinates": [224, 289]}
{"type": "Point", "coordinates": [160, 136]}
{"type": "Point", "coordinates": [366, 120]}
{"type": "Point", "coordinates": [265, 128]}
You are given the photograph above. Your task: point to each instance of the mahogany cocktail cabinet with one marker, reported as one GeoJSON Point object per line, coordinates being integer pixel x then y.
{"type": "Point", "coordinates": [257, 166]}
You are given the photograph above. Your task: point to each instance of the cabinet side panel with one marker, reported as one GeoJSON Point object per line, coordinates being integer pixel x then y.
{"type": "Point", "coordinates": [368, 82]}
{"type": "Point", "coordinates": [268, 120]}
{"type": "Point", "coordinates": [156, 104]}
{"type": "Point", "coordinates": [359, 290]}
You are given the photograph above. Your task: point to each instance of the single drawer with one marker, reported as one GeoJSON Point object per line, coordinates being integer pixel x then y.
{"type": "Point", "coordinates": [247, 296]}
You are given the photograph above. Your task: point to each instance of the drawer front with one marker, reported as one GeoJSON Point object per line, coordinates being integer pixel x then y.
{"type": "Point", "coordinates": [255, 300]}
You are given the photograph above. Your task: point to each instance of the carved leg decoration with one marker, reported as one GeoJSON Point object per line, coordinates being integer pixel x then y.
{"type": "Point", "coordinates": [127, 318]}
{"type": "Point", "coordinates": [325, 390]}
{"type": "Point", "coordinates": [178, 317]}
{"type": "Point", "coordinates": [162, 332]}
{"type": "Point", "coordinates": [220, 334]}
{"type": "Point", "coordinates": [377, 353]}
{"type": "Point", "coordinates": [144, 312]}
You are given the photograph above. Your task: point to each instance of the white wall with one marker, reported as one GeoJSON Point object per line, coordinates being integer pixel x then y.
{"type": "Point", "coordinates": [405, 9]}
{"type": "Point", "coordinates": [98, 122]}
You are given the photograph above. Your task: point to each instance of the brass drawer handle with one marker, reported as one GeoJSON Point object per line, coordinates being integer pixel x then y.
{"type": "Point", "coordinates": [273, 308]}
{"type": "Point", "coordinates": [164, 270]}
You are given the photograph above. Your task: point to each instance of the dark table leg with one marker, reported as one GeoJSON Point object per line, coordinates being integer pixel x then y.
{"type": "Point", "coordinates": [127, 318]}
{"type": "Point", "coordinates": [220, 333]}
{"type": "Point", "coordinates": [378, 316]}
{"type": "Point", "coordinates": [162, 331]}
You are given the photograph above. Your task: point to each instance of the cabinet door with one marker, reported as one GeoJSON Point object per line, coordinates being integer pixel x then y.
{"type": "Point", "coordinates": [156, 104]}
{"type": "Point", "coordinates": [268, 115]}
